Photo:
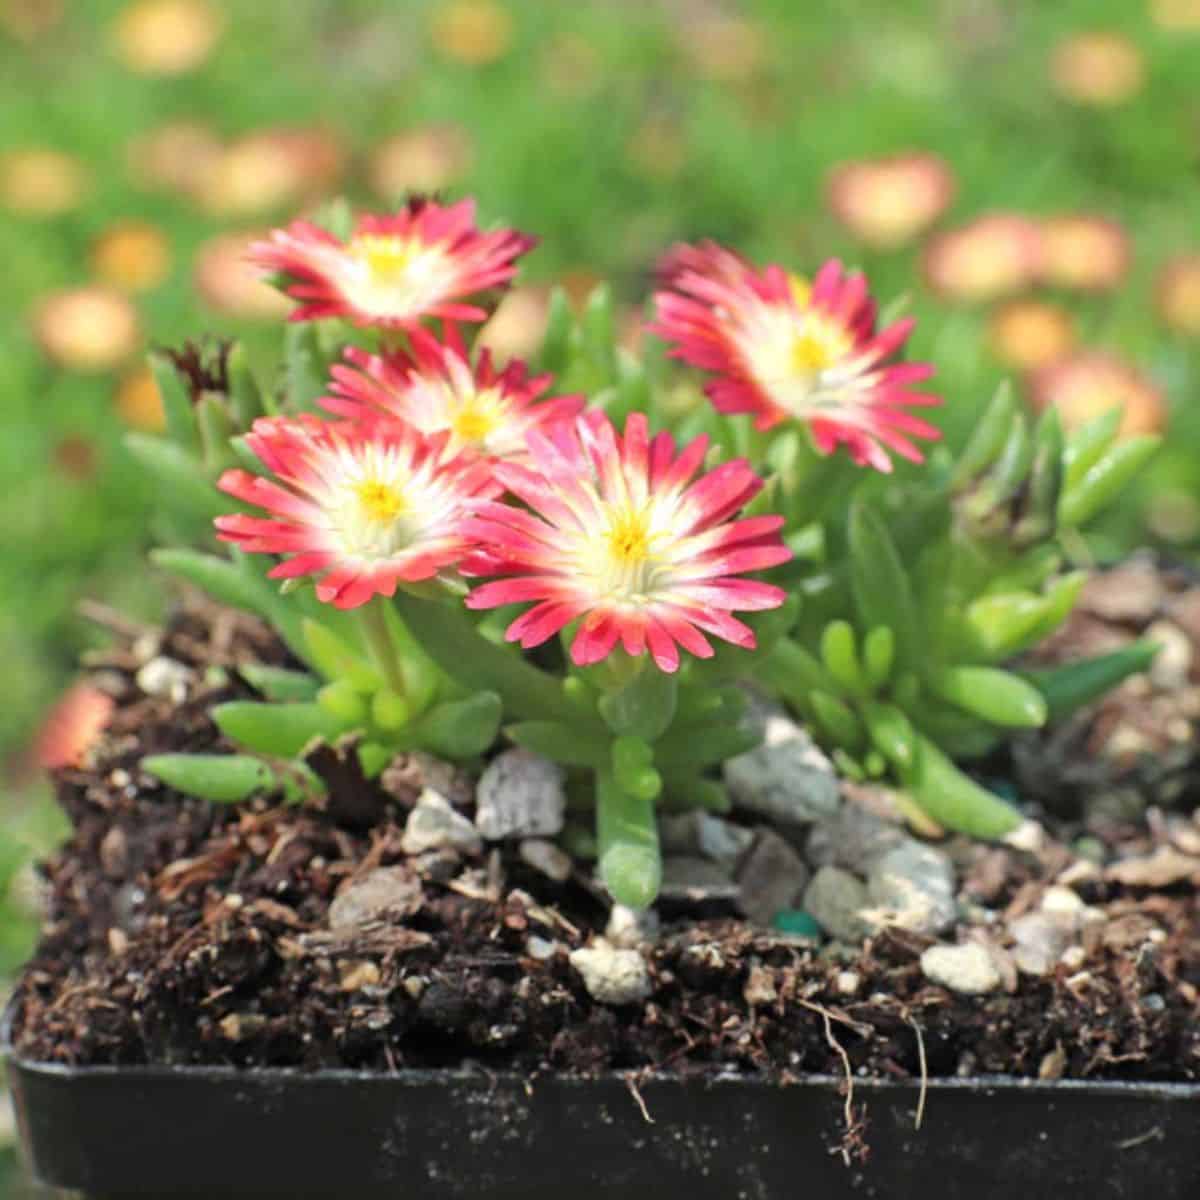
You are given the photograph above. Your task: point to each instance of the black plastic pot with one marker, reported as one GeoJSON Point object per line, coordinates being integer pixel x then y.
{"type": "Point", "coordinates": [432, 1135]}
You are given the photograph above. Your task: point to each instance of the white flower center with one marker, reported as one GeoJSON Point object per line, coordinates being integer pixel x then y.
{"type": "Point", "coordinates": [391, 275]}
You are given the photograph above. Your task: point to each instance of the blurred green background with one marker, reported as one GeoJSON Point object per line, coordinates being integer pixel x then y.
{"type": "Point", "coordinates": [138, 137]}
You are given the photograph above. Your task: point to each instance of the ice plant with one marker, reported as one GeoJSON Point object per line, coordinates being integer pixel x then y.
{"type": "Point", "coordinates": [437, 389]}
{"type": "Point", "coordinates": [456, 554]}
{"type": "Point", "coordinates": [427, 260]}
{"type": "Point", "coordinates": [783, 350]}
{"type": "Point", "coordinates": [362, 506]}
{"type": "Point", "coordinates": [620, 535]}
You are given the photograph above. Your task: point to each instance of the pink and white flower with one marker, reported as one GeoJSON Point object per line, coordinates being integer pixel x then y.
{"type": "Point", "coordinates": [362, 506]}
{"type": "Point", "coordinates": [437, 390]}
{"type": "Point", "coordinates": [784, 350]}
{"type": "Point", "coordinates": [427, 260]}
{"type": "Point", "coordinates": [619, 534]}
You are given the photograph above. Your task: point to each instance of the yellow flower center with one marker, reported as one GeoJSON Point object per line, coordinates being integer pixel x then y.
{"type": "Point", "coordinates": [387, 257]}
{"type": "Point", "coordinates": [476, 417]}
{"type": "Point", "coordinates": [380, 502]}
{"type": "Point", "coordinates": [810, 354]}
{"type": "Point", "coordinates": [629, 539]}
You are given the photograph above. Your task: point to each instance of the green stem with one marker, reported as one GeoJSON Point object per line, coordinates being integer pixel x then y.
{"type": "Point", "coordinates": [627, 837]}
{"type": "Point", "coordinates": [450, 638]}
{"type": "Point", "coordinates": [373, 618]}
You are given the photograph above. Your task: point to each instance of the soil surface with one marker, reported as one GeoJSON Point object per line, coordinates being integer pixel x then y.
{"type": "Point", "coordinates": [185, 932]}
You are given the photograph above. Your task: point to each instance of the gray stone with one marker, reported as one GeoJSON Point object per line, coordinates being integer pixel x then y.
{"type": "Point", "coordinates": [612, 975]}
{"type": "Point", "coordinates": [520, 794]}
{"type": "Point", "coordinates": [836, 900]}
{"type": "Point", "coordinates": [787, 779]}
{"type": "Point", "coordinates": [706, 834]}
{"type": "Point", "coordinates": [854, 838]}
{"type": "Point", "coordinates": [1040, 938]}
{"type": "Point", "coordinates": [770, 876]}
{"type": "Point", "coordinates": [434, 825]}
{"type": "Point", "coordinates": [386, 892]}
{"type": "Point", "coordinates": [553, 861]}
{"type": "Point", "coordinates": [912, 886]}
{"type": "Point", "coordinates": [685, 877]}
{"type": "Point", "coordinates": [968, 968]}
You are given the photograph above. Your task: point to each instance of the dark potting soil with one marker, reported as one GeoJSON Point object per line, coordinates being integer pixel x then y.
{"type": "Point", "coordinates": [189, 933]}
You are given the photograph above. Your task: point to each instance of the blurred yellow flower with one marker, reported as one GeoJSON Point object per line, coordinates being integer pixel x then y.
{"type": "Point", "coordinates": [1084, 252]}
{"type": "Point", "coordinates": [1097, 68]}
{"type": "Point", "coordinates": [138, 401]}
{"type": "Point", "coordinates": [518, 325]}
{"type": "Point", "coordinates": [1181, 16]}
{"type": "Point", "coordinates": [1177, 294]}
{"type": "Point", "coordinates": [270, 169]}
{"type": "Point", "coordinates": [88, 329]}
{"type": "Point", "coordinates": [1025, 334]}
{"type": "Point", "coordinates": [726, 48]}
{"type": "Point", "coordinates": [1090, 383]}
{"type": "Point", "coordinates": [420, 160]}
{"type": "Point", "coordinates": [229, 283]}
{"type": "Point", "coordinates": [657, 148]}
{"type": "Point", "coordinates": [570, 65]}
{"type": "Point", "coordinates": [886, 202]}
{"type": "Point", "coordinates": [995, 255]}
{"type": "Point", "coordinates": [166, 37]}
{"type": "Point", "coordinates": [174, 157]}
{"type": "Point", "coordinates": [41, 183]}
{"type": "Point", "coordinates": [132, 255]}
{"type": "Point", "coordinates": [28, 20]}
{"type": "Point", "coordinates": [472, 32]}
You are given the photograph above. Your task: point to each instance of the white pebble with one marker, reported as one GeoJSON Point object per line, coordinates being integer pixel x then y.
{"type": "Point", "coordinates": [968, 968]}
{"type": "Point", "coordinates": [612, 975]}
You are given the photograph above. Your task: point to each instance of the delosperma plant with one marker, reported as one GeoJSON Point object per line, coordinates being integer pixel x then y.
{"type": "Point", "coordinates": [586, 557]}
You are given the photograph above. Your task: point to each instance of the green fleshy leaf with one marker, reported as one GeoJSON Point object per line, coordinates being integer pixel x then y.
{"type": "Point", "coordinates": [176, 401]}
{"type": "Point", "coordinates": [839, 652]}
{"type": "Point", "coordinates": [563, 743]}
{"type": "Point", "coordinates": [891, 733]}
{"type": "Point", "coordinates": [245, 396]}
{"type": "Point", "coordinates": [220, 778]}
{"type": "Point", "coordinates": [344, 702]}
{"type": "Point", "coordinates": [632, 768]}
{"type": "Point", "coordinates": [460, 729]}
{"type": "Point", "coordinates": [999, 697]}
{"type": "Point", "coordinates": [1105, 479]}
{"type": "Point", "coordinates": [1074, 685]}
{"type": "Point", "coordinates": [335, 658]}
{"type": "Point", "coordinates": [954, 800]}
{"type": "Point", "coordinates": [991, 432]}
{"type": "Point", "coordinates": [880, 583]}
{"type": "Point", "coordinates": [278, 683]}
{"type": "Point", "coordinates": [630, 861]}
{"type": "Point", "coordinates": [644, 707]}
{"type": "Point", "coordinates": [183, 478]}
{"type": "Point", "coordinates": [838, 720]}
{"type": "Point", "coordinates": [1087, 445]}
{"type": "Point", "coordinates": [879, 653]}
{"type": "Point", "coordinates": [278, 730]}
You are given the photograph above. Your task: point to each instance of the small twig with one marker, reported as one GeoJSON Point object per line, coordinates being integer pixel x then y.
{"type": "Point", "coordinates": [1151, 1135]}
{"type": "Point", "coordinates": [924, 1071]}
{"type": "Point", "coordinates": [835, 1045]}
{"type": "Point", "coordinates": [631, 1084]}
